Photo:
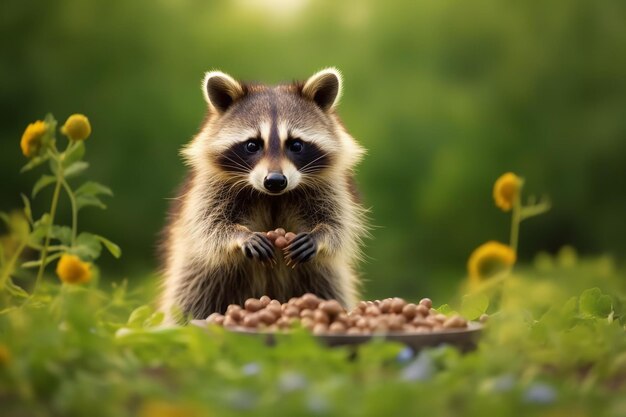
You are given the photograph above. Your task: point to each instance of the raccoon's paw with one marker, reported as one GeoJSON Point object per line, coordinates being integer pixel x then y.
{"type": "Point", "coordinates": [301, 249]}
{"type": "Point", "coordinates": [258, 247]}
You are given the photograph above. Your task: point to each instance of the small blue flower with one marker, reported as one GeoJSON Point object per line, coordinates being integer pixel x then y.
{"type": "Point", "coordinates": [318, 404]}
{"type": "Point", "coordinates": [540, 393]}
{"type": "Point", "coordinates": [503, 383]}
{"type": "Point", "coordinates": [251, 369]}
{"type": "Point", "coordinates": [241, 399]}
{"type": "Point", "coordinates": [421, 369]}
{"type": "Point", "coordinates": [292, 381]}
{"type": "Point", "coordinates": [405, 355]}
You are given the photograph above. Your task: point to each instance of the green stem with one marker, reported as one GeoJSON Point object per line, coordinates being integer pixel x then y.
{"type": "Point", "coordinates": [6, 272]}
{"type": "Point", "coordinates": [53, 210]}
{"type": "Point", "coordinates": [70, 194]}
{"type": "Point", "coordinates": [516, 218]}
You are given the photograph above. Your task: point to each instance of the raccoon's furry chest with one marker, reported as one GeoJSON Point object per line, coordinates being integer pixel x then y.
{"type": "Point", "coordinates": [267, 214]}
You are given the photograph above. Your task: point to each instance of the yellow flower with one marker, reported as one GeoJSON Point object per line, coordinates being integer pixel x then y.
{"type": "Point", "coordinates": [5, 355]}
{"type": "Point", "coordinates": [506, 190]}
{"type": "Point", "coordinates": [31, 139]}
{"type": "Point", "coordinates": [76, 127]}
{"type": "Point", "coordinates": [489, 258]}
{"type": "Point", "coordinates": [72, 270]}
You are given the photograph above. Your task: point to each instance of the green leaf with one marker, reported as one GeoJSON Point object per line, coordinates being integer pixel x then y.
{"type": "Point", "coordinates": [37, 263]}
{"type": "Point", "coordinates": [93, 188]}
{"type": "Point", "coordinates": [42, 183]}
{"type": "Point", "coordinates": [75, 169]}
{"type": "Point", "coordinates": [33, 163]}
{"type": "Point", "coordinates": [89, 200]}
{"type": "Point", "coordinates": [15, 290]}
{"type": "Point", "coordinates": [445, 309]}
{"type": "Point", "coordinates": [593, 303]}
{"type": "Point", "coordinates": [40, 228]}
{"type": "Point", "coordinates": [474, 305]}
{"type": "Point", "coordinates": [139, 315]}
{"type": "Point", "coordinates": [87, 246]}
{"type": "Point", "coordinates": [74, 154]}
{"type": "Point", "coordinates": [111, 247]}
{"type": "Point", "coordinates": [155, 319]}
{"type": "Point", "coordinates": [62, 234]}
{"type": "Point", "coordinates": [27, 209]}
{"type": "Point", "coordinates": [5, 219]}
{"type": "Point", "coordinates": [54, 166]}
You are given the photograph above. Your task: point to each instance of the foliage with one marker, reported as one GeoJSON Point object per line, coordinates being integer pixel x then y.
{"type": "Point", "coordinates": [549, 349]}
{"type": "Point", "coordinates": [43, 235]}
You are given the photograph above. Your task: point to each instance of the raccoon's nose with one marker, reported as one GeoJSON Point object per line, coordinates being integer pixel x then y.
{"type": "Point", "coordinates": [275, 182]}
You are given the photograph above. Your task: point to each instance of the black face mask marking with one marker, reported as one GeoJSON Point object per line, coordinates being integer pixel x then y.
{"type": "Point", "coordinates": [241, 157]}
{"type": "Point", "coordinates": [307, 157]}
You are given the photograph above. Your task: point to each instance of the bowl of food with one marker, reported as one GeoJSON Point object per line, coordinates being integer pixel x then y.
{"type": "Point", "coordinates": [416, 325]}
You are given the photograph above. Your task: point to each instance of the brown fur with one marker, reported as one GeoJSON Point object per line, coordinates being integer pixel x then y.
{"type": "Point", "coordinates": [217, 209]}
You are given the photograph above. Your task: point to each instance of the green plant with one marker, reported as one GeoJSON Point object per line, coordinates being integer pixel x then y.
{"type": "Point", "coordinates": [44, 234]}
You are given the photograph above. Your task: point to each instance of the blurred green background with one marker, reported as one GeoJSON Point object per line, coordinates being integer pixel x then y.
{"type": "Point", "coordinates": [445, 94]}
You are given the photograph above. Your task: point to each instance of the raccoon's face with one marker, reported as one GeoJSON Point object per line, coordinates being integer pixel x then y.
{"type": "Point", "coordinates": [273, 139]}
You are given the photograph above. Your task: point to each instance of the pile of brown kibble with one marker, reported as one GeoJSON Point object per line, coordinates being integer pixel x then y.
{"type": "Point", "coordinates": [329, 317]}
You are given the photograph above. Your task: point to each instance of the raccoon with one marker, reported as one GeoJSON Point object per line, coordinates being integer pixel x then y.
{"type": "Point", "coordinates": [266, 157]}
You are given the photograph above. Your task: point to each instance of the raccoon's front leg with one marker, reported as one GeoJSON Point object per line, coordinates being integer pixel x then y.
{"type": "Point", "coordinates": [256, 245]}
{"type": "Point", "coordinates": [301, 249]}
{"type": "Point", "coordinates": [306, 246]}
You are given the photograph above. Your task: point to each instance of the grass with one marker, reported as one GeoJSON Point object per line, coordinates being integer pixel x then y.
{"type": "Point", "coordinates": [554, 346]}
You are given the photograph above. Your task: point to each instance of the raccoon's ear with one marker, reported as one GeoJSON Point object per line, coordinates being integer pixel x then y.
{"type": "Point", "coordinates": [324, 88]}
{"type": "Point", "coordinates": [221, 90]}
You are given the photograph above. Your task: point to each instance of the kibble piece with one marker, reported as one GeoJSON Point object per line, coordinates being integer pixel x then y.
{"type": "Point", "coordinates": [216, 318]}
{"type": "Point", "coordinates": [290, 236]}
{"type": "Point", "coordinates": [331, 307]}
{"type": "Point", "coordinates": [229, 322]}
{"type": "Point", "coordinates": [409, 311]}
{"type": "Point", "coordinates": [427, 302]}
{"type": "Point", "coordinates": [408, 328]}
{"type": "Point", "coordinates": [385, 306]}
{"type": "Point", "coordinates": [372, 311]}
{"type": "Point", "coordinates": [310, 301]}
{"type": "Point", "coordinates": [307, 312]}
{"type": "Point", "coordinates": [280, 231]}
{"type": "Point", "coordinates": [354, 331]}
{"type": "Point", "coordinates": [320, 328]}
{"type": "Point", "coordinates": [361, 323]}
{"type": "Point", "coordinates": [283, 323]}
{"type": "Point", "coordinates": [422, 310]}
{"type": "Point", "coordinates": [441, 317]}
{"type": "Point", "coordinates": [272, 235]}
{"type": "Point", "coordinates": [422, 322]}
{"type": "Point", "coordinates": [280, 242]}
{"type": "Point", "coordinates": [265, 300]}
{"type": "Point", "coordinates": [455, 321]}
{"type": "Point", "coordinates": [397, 305]}
{"type": "Point", "coordinates": [267, 317]}
{"type": "Point", "coordinates": [483, 318]}
{"type": "Point", "coordinates": [291, 311]}
{"type": "Point", "coordinates": [252, 304]}
{"type": "Point", "coordinates": [307, 323]}
{"type": "Point", "coordinates": [251, 320]}
{"type": "Point", "coordinates": [321, 317]}
{"type": "Point", "coordinates": [362, 305]}
{"type": "Point", "coordinates": [274, 309]}
{"type": "Point", "coordinates": [336, 327]}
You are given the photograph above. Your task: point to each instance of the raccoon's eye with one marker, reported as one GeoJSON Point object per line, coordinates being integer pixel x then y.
{"type": "Point", "coordinates": [253, 146]}
{"type": "Point", "coordinates": [296, 146]}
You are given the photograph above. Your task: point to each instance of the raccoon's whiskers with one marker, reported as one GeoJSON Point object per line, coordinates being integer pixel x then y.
{"type": "Point", "coordinates": [242, 160]}
{"type": "Point", "coordinates": [245, 167]}
{"type": "Point", "coordinates": [316, 159]}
